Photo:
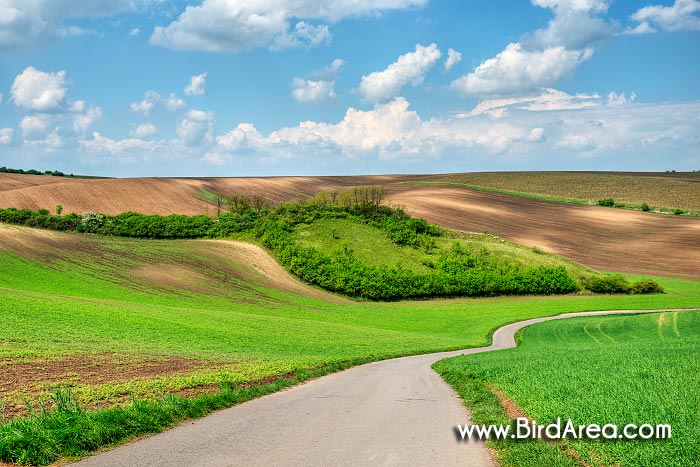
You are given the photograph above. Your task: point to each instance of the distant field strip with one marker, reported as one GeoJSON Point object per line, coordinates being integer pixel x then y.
{"type": "Point", "coordinates": [610, 369]}
{"type": "Point", "coordinates": [585, 187]}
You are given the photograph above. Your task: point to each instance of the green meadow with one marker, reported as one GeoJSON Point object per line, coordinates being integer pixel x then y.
{"type": "Point", "coordinates": [120, 302]}
{"type": "Point", "coordinates": [631, 369]}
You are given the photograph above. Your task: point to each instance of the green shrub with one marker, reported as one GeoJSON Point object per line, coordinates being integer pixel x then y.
{"type": "Point", "coordinates": [646, 286]}
{"type": "Point", "coordinates": [678, 211]}
{"type": "Point", "coordinates": [608, 202]}
{"type": "Point", "coordinates": [607, 284]}
{"type": "Point", "coordinates": [645, 207]}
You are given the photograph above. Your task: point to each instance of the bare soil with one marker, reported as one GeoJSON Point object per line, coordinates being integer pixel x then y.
{"type": "Point", "coordinates": [35, 377]}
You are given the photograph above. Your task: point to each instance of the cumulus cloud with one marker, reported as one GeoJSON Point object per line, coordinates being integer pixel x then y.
{"type": "Point", "coordinates": [585, 125]}
{"type": "Point", "coordinates": [453, 58]}
{"type": "Point", "coordinates": [38, 91]}
{"type": "Point", "coordinates": [49, 144]}
{"type": "Point", "coordinates": [84, 121]}
{"type": "Point", "coordinates": [197, 85]}
{"type": "Point", "coordinates": [28, 22]}
{"type": "Point", "coordinates": [196, 127]}
{"type": "Point", "coordinates": [312, 91]}
{"type": "Point", "coordinates": [545, 56]}
{"type": "Point", "coordinates": [134, 32]}
{"type": "Point", "coordinates": [552, 129]}
{"type": "Point", "coordinates": [409, 68]}
{"type": "Point", "coordinates": [303, 35]}
{"type": "Point", "coordinates": [516, 70]}
{"type": "Point", "coordinates": [241, 25]}
{"type": "Point", "coordinates": [682, 15]}
{"type": "Point", "coordinates": [320, 87]}
{"type": "Point", "coordinates": [146, 106]}
{"type": "Point", "coordinates": [145, 130]}
{"type": "Point", "coordinates": [174, 103]}
{"type": "Point", "coordinates": [127, 149]}
{"type": "Point", "coordinates": [35, 126]}
{"type": "Point", "coordinates": [6, 135]}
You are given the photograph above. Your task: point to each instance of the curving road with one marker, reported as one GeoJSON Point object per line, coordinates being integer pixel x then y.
{"type": "Point", "coordinates": [395, 412]}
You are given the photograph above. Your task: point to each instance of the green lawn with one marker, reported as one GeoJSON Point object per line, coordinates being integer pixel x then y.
{"type": "Point", "coordinates": [615, 369]}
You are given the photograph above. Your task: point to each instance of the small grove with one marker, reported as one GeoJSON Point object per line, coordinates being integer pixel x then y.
{"type": "Point", "coordinates": [456, 271]}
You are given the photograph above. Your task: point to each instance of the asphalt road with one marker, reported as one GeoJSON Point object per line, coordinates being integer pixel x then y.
{"type": "Point", "coordinates": [395, 412]}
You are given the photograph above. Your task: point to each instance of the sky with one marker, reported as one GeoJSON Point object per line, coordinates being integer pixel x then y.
{"type": "Point", "coordinates": [333, 87]}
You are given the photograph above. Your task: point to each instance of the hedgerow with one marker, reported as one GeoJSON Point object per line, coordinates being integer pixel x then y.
{"type": "Point", "coordinates": [456, 271]}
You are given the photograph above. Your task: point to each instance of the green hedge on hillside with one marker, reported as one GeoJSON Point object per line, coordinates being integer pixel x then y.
{"type": "Point", "coordinates": [457, 272]}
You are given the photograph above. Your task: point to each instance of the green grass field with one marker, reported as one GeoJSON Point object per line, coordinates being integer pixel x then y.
{"type": "Point", "coordinates": [662, 194]}
{"type": "Point", "coordinates": [615, 369]}
{"type": "Point", "coordinates": [120, 306]}
{"type": "Point", "coordinates": [372, 246]}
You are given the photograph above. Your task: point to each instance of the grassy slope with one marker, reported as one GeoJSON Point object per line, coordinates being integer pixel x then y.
{"type": "Point", "coordinates": [617, 369]}
{"type": "Point", "coordinates": [585, 188]}
{"type": "Point", "coordinates": [372, 246]}
{"type": "Point", "coordinates": [76, 295]}
{"type": "Point", "coordinates": [81, 296]}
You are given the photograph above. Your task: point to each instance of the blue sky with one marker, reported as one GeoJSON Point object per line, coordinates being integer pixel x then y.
{"type": "Point", "coordinates": [282, 87]}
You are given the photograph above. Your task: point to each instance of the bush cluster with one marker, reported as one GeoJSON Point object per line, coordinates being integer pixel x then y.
{"type": "Point", "coordinates": [616, 284]}
{"type": "Point", "coordinates": [455, 271]}
{"type": "Point", "coordinates": [55, 173]}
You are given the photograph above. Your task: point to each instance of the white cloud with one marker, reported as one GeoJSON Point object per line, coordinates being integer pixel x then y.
{"type": "Point", "coordinates": [586, 125]}
{"type": "Point", "coordinates": [145, 107]}
{"type": "Point", "coordinates": [330, 72]}
{"type": "Point", "coordinates": [241, 25]}
{"type": "Point", "coordinates": [49, 144]}
{"type": "Point", "coordinates": [244, 135]}
{"type": "Point", "coordinates": [196, 127]}
{"type": "Point", "coordinates": [409, 68]}
{"type": "Point", "coordinates": [83, 122]}
{"type": "Point", "coordinates": [620, 99]}
{"type": "Point", "coordinates": [547, 99]}
{"type": "Point", "coordinates": [25, 22]}
{"type": "Point", "coordinates": [6, 135]}
{"type": "Point", "coordinates": [641, 28]}
{"type": "Point", "coordinates": [320, 86]}
{"type": "Point", "coordinates": [453, 58]}
{"type": "Point", "coordinates": [35, 126]}
{"type": "Point", "coordinates": [134, 32]}
{"type": "Point", "coordinates": [516, 70]}
{"type": "Point", "coordinates": [197, 85]}
{"type": "Point", "coordinates": [545, 56]}
{"type": "Point", "coordinates": [312, 91]}
{"type": "Point", "coordinates": [304, 35]}
{"type": "Point", "coordinates": [682, 15]}
{"type": "Point", "coordinates": [128, 149]}
{"type": "Point", "coordinates": [70, 31]}
{"type": "Point", "coordinates": [174, 103]}
{"type": "Point", "coordinates": [38, 91]}
{"type": "Point", "coordinates": [145, 130]}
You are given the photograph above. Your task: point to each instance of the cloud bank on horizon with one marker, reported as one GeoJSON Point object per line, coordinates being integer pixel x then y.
{"type": "Point", "coordinates": [243, 87]}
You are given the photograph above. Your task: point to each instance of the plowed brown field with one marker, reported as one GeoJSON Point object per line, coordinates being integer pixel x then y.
{"type": "Point", "coordinates": [601, 238]}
